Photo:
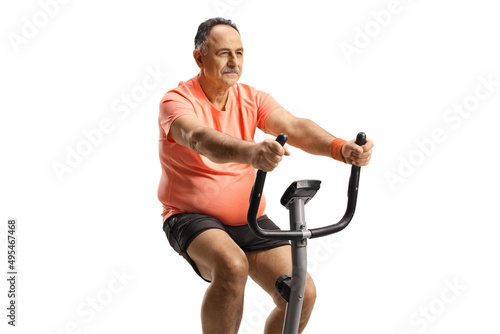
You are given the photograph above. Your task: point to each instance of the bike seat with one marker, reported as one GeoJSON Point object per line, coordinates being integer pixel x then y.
{"type": "Point", "coordinates": [303, 189]}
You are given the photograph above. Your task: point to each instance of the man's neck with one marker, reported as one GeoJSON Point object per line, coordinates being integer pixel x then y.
{"type": "Point", "coordinates": [216, 95]}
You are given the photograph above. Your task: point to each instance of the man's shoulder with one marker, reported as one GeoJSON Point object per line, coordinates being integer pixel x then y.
{"type": "Point", "coordinates": [250, 93]}
{"type": "Point", "coordinates": [246, 90]}
{"type": "Point", "coordinates": [186, 90]}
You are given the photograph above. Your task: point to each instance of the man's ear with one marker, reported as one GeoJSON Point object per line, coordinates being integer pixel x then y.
{"type": "Point", "coordinates": [198, 58]}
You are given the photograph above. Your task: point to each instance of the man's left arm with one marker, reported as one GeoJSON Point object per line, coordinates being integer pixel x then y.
{"type": "Point", "coordinates": [311, 138]}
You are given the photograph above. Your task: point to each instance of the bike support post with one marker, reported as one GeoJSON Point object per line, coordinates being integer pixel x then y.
{"type": "Point", "coordinates": [299, 274]}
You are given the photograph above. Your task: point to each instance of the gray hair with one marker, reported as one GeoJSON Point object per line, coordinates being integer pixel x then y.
{"type": "Point", "coordinates": [201, 39]}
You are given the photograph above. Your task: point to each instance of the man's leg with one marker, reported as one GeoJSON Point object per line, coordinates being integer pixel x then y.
{"type": "Point", "coordinates": [221, 261]}
{"type": "Point", "coordinates": [264, 268]}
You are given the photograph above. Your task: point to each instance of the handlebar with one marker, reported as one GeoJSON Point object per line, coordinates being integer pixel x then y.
{"type": "Point", "coordinates": [256, 195]}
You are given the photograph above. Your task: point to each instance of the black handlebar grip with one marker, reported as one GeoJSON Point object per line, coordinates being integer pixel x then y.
{"type": "Point", "coordinates": [282, 138]}
{"type": "Point", "coordinates": [361, 139]}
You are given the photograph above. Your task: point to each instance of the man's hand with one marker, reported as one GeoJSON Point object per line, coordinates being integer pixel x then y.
{"type": "Point", "coordinates": [267, 154]}
{"type": "Point", "coordinates": [357, 155]}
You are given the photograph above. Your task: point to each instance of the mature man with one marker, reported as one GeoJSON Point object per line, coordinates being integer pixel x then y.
{"type": "Point", "coordinates": [209, 157]}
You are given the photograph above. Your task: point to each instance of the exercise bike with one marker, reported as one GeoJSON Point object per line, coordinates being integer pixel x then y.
{"type": "Point", "coordinates": [298, 194]}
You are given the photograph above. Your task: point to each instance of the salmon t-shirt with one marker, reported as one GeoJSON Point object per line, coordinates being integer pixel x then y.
{"type": "Point", "coordinates": [191, 182]}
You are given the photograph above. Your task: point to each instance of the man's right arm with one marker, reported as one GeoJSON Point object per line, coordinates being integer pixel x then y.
{"type": "Point", "coordinates": [189, 131]}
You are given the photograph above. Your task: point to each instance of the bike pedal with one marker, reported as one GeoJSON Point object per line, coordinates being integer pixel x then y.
{"type": "Point", "coordinates": [282, 285]}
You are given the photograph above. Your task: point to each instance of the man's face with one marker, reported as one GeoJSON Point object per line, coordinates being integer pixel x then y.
{"type": "Point", "coordinates": [223, 62]}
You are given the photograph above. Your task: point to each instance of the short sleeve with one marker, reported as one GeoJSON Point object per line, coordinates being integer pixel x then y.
{"type": "Point", "coordinates": [173, 106]}
{"type": "Point", "coordinates": [266, 104]}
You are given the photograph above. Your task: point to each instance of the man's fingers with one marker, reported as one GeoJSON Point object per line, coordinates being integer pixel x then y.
{"type": "Point", "coordinates": [362, 159]}
{"type": "Point", "coordinates": [287, 151]}
{"type": "Point", "coordinates": [369, 145]}
{"type": "Point", "coordinates": [359, 155]}
{"type": "Point", "coordinates": [353, 150]}
{"type": "Point", "coordinates": [270, 155]}
{"type": "Point", "coordinates": [276, 147]}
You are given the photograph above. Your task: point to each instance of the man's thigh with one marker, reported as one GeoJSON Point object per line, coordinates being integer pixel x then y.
{"type": "Point", "coordinates": [266, 266]}
{"type": "Point", "coordinates": [204, 243]}
{"type": "Point", "coordinates": [214, 250]}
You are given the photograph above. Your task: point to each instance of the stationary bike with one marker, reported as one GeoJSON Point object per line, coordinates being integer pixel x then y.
{"type": "Point", "coordinates": [298, 194]}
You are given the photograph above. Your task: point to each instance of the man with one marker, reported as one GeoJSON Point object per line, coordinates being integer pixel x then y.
{"type": "Point", "coordinates": [209, 158]}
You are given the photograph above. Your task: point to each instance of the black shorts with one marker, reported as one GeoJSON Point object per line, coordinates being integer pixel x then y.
{"type": "Point", "coordinates": [182, 228]}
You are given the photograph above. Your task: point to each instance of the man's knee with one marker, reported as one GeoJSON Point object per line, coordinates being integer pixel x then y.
{"type": "Point", "coordinates": [309, 296]}
{"type": "Point", "coordinates": [232, 272]}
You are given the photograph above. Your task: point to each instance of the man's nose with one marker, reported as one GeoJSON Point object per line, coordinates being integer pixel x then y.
{"type": "Point", "coordinates": [233, 60]}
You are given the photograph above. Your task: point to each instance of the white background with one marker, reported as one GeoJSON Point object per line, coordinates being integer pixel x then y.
{"type": "Point", "coordinates": [436, 226]}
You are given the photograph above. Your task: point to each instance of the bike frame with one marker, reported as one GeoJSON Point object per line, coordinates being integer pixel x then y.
{"type": "Point", "coordinates": [294, 199]}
